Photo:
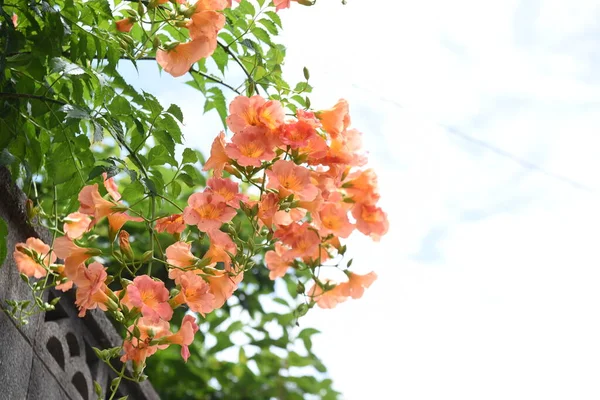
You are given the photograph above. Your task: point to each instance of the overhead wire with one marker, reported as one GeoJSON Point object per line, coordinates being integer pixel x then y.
{"type": "Point", "coordinates": [490, 146]}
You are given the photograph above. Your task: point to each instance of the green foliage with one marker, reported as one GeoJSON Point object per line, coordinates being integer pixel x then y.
{"type": "Point", "coordinates": [67, 116]}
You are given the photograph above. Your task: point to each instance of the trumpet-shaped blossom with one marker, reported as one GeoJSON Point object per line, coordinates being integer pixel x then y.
{"type": "Point", "coordinates": [91, 288]}
{"type": "Point", "coordinates": [125, 24]}
{"type": "Point", "coordinates": [139, 348]}
{"type": "Point", "coordinates": [205, 25]}
{"type": "Point", "coordinates": [180, 255]}
{"type": "Point", "coordinates": [254, 111]}
{"type": "Point", "coordinates": [71, 253]}
{"type": "Point", "coordinates": [334, 220]}
{"type": "Point", "coordinates": [207, 211]}
{"type": "Point", "coordinates": [222, 285]}
{"type": "Point", "coordinates": [356, 285]}
{"type": "Point", "coordinates": [218, 158]}
{"type": "Point", "coordinates": [277, 263]}
{"type": "Point", "coordinates": [111, 187]}
{"type": "Point", "coordinates": [361, 186]}
{"type": "Point", "coordinates": [336, 119]}
{"type": "Point", "coordinates": [172, 224]}
{"type": "Point", "coordinates": [250, 147]}
{"type": "Point", "coordinates": [184, 336]}
{"type": "Point", "coordinates": [228, 189]}
{"type": "Point", "coordinates": [151, 297]}
{"type": "Point", "coordinates": [370, 220]}
{"type": "Point", "coordinates": [178, 60]}
{"type": "Point", "coordinates": [267, 207]}
{"type": "Point", "coordinates": [66, 283]}
{"type": "Point", "coordinates": [195, 292]}
{"type": "Point", "coordinates": [220, 245]}
{"type": "Point", "coordinates": [76, 224]}
{"type": "Point", "coordinates": [326, 298]}
{"type": "Point", "coordinates": [32, 256]}
{"type": "Point", "coordinates": [289, 178]}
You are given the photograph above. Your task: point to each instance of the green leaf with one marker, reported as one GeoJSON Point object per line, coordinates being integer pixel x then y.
{"type": "Point", "coordinates": [189, 156]}
{"type": "Point", "coordinates": [61, 65]}
{"type": "Point", "coordinates": [158, 155]}
{"type": "Point", "coordinates": [176, 112]}
{"type": "Point", "coordinates": [3, 241]}
{"type": "Point", "coordinates": [133, 192]}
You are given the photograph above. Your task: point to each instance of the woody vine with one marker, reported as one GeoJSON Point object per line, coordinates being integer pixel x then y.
{"type": "Point", "coordinates": [143, 227]}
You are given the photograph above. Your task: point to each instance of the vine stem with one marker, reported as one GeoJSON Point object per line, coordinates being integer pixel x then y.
{"type": "Point", "coordinates": [31, 96]}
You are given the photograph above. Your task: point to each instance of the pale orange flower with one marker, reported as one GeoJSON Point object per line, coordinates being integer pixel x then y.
{"type": "Point", "coordinates": [204, 25]}
{"type": "Point", "coordinates": [289, 178]}
{"type": "Point", "coordinates": [180, 255]}
{"type": "Point", "coordinates": [222, 286]}
{"type": "Point", "coordinates": [314, 149]}
{"type": "Point", "coordinates": [228, 189]}
{"type": "Point", "coordinates": [302, 240]}
{"type": "Point", "coordinates": [267, 207]}
{"type": "Point", "coordinates": [138, 349]}
{"type": "Point", "coordinates": [276, 262]}
{"type": "Point", "coordinates": [345, 149]}
{"type": "Point", "coordinates": [150, 297]}
{"type": "Point", "coordinates": [356, 285]}
{"type": "Point", "coordinates": [370, 220]}
{"type": "Point", "coordinates": [111, 187]}
{"type": "Point", "coordinates": [207, 211]}
{"type": "Point", "coordinates": [93, 204]}
{"type": "Point", "coordinates": [125, 24]}
{"type": "Point", "coordinates": [32, 256]}
{"type": "Point", "coordinates": [254, 111]}
{"type": "Point", "coordinates": [335, 120]}
{"type": "Point", "coordinates": [204, 5]}
{"type": "Point", "coordinates": [91, 288]}
{"type": "Point", "coordinates": [298, 134]}
{"type": "Point", "coordinates": [220, 244]}
{"type": "Point", "coordinates": [76, 224]}
{"type": "Point", "coordinates": [71, 253]}
{"type": "Point", "coordinates": [66, 285]}
{"type": "Point", "coordinates": [250, 147]}
{"type": "Point", "coordinates": [172, 224]}
{"type": "Point", "coordinates": [327, 299]}
{"type": "Point", "coordinates": [184, 336]}
{"type": "Point", "coordinates": [361, 186]}
{"type": "Point", "coordinates": [195, 292]}
{"type": "Point", "coordinates": [334, 220]}
{"type": "Point", "coordinates": [281, 4]}
{"type": "Point", "coordinates": [117, 220]}
{"type": "Point", "coordinates": [218, 158]}
{"type": "Point", "coordinates": [15, 20]}
{"type": "Point", "coordinates": [178, 60]}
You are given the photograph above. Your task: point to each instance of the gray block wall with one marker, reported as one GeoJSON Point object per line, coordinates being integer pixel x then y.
{"type": "Point", "coordinates": [51, 357]}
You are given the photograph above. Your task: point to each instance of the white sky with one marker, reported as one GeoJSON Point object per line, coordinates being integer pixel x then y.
{"type": "Point", "coordinates": [488, 278]}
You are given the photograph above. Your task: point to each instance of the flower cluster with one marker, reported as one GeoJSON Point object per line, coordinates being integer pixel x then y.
{"type": "Point", "coordinates": [202, 21]}
{"type": "Point", "coordinates": [310, 189]}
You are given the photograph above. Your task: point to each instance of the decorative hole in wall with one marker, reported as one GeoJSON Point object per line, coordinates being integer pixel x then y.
{"type": "Point", "coordinates": [55, 349]}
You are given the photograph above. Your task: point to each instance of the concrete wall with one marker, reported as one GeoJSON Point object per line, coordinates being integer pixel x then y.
{"type": "Point", "coordinates": [51, 357]}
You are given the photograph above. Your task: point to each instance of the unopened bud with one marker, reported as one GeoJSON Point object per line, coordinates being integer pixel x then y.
{"type": "Point", "coordinates": [124, 245]}
{"type": "Point", "coordinates": [147, 256]}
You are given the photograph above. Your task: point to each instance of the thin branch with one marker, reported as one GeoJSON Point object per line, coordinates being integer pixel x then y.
{"type": "Point", "coordinates": [31, 96]}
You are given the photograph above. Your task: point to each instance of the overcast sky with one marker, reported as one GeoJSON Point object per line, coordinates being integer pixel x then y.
{"type": "Point", "coordinates": [489, 277]}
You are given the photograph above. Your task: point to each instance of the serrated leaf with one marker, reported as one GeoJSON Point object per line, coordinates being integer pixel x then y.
{"type": "Point", "coordinates": [189, 156]}
{"type": "Point", "coordinates": [74, 112]}
{"type": "Point", "coordinates": [176, 112]}
{"type": "Point", "coordinates": [98, 132]}
{"type": "Point", "coordinates": [133, 192]}
{"type": "Point", "coordinates": [60, 65]}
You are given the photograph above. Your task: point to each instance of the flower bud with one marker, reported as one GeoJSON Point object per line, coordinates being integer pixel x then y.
{"type": "Point", "coordinates": [124, 245]}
